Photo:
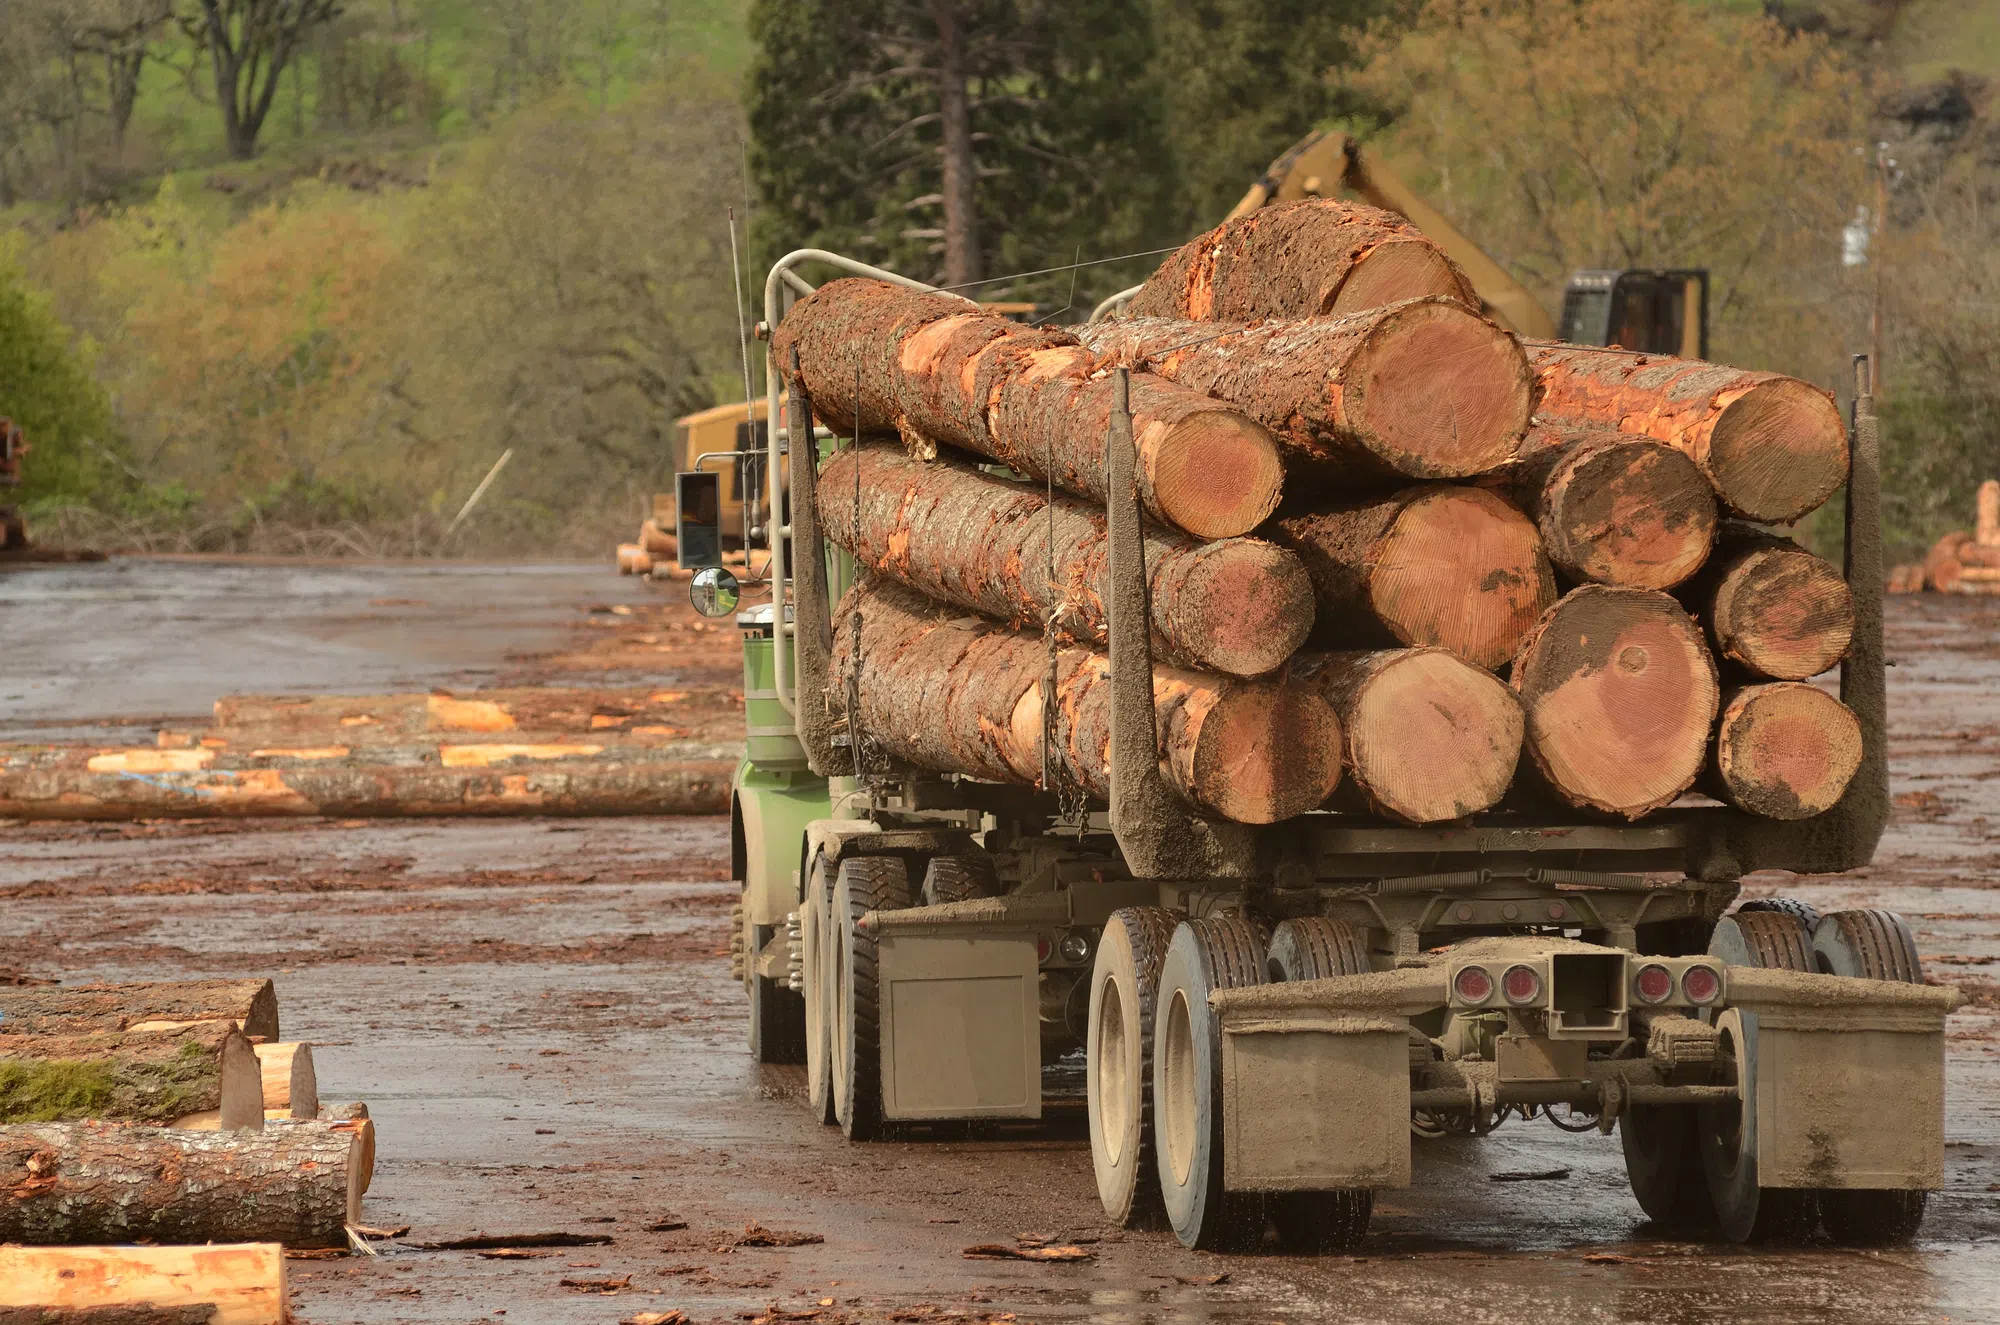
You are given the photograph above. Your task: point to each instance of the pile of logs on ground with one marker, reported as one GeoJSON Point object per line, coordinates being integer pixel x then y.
{"type": "Point", "coordinates": [170, 1113]}
{"type": "Point", "coordinates": [1960, 562]}
{"type": "Point", "coordinates": [1390, 548]}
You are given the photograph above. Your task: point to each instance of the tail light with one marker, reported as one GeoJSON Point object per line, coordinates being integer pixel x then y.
{"type": "Point", "coordinates": [1043, 947]}
{"type": "Point", "coordinates": [1701, 985]}
{"type": "Point", "coordinates": [1522, 985]}
{"type": "Point", "coordinates": [1653, 984]}
{"type": "Point", "coordinates": [1472, 984]}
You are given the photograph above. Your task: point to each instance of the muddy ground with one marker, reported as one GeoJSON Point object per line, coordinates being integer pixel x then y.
{"type": "Point", "coordinates": [539, 1015]}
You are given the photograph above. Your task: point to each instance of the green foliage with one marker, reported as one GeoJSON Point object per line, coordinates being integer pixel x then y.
{"type": "Point", "coordinates": [54, 1090]}
{"type": "Point", "coordinates": [46, 387]}
{"type": "Point", "coordinates": [1247, 79]}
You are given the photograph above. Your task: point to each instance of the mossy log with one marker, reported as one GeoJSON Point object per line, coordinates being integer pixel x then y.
{"type": "Point", "coordinates": [1772, 446]}
{"type": "Point", "coordinates": [1620, 695]}
{"type": "Point", "coordinates": [1236, 605]}
{"type": "Point", "coordinates": [1426, 736]}
{"type": "Point", "coordinates": [949, 693]}
{"type": "Point", "coordinates": [1784, 750]}
{"type": "Point", "coordinates": [101, 1008]}
{"type": "Point", "coordinates": [1434, 566]}
{"type": "Point", "coordinates": [93, 1182]}
{"type": "Point", "coordinates": [1771, 607]}
{"type": "Point", "coordinates": [1422, 389]}
{"type": "Point", "coordinates": [1613, 508]}
{"type": "Point", "coordinates": [156, 1077]}
{"type": "Point", "coordinates": [940, 371]}
{"type": "Point", "coordinates": [1310, 258]}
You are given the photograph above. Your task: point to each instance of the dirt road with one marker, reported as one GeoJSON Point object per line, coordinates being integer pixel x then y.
{"type": "Point", "coordinates": [539, 1015]}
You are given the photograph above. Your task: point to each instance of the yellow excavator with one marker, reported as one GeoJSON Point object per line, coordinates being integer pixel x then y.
{"type": "Point", "coordinates": [1657, 311]}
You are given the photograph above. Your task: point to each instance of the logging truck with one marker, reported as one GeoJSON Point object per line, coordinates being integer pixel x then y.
{"type": "Point", "coordinates": [1272, 1017]}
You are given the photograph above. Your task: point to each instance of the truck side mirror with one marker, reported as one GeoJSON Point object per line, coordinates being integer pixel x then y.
{"type": "Point", "coordinates": [714, 592]}
{"type": "Point", "coordinates": [698, 519]}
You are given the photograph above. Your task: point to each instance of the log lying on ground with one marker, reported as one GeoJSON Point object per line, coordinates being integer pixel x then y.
{"type": "Point", "coordinates": [938, 370]}
{"type": "Point", "coordinates": [142, 1313]}
{"type": "Point", "coordinates": [153, 1077]}
{"type": "Point", "coordinates": [1943, 564]}
{"type": "Point", "coordinates": [1308, 258]}
{"type": "Point", "coordinates": [1785, 750]}
{"type": "Point", "coordinates": [1773, 447]}
{"type": "Point", "coordinates": [1424, 388]}
{"type": "Point", "coordinates": [228, 1285]}
{"type": "Point", "coordinates": [1773, 607]}
{"type": "Point", "coordinates": [1613, 508]}
{"type": "Point", "coordinates": [957, 694]}
{"type": "Point", "coordinates": [1620, 694]}
{"type": "Point", "coordinates": [1237, 605]}
{"type": "Point", "coordinates": [1986, 514]}
{"type": "Point", "coordinates": [1426, 736]}
{"type": "Point", "coordinates": [1455, 568]}
{"type": "Point", "coordinates": [495, 778]}
{"type": "Point", "coordinates": [529, 713]}
{"type": "Point", "coordinates": [107, 1182]}
{"type": "Point", "coordinates": [87, 1009]}
{"type": "Point", "coordinates": [291, 1086]}
{"type": "Point", "coordinates": [364, 1129]}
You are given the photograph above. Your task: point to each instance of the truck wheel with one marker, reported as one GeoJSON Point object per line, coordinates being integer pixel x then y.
{"type": "Point", "coordinates": [1318, 1223]}
{"type": "Point", "coordinates": [1871, 944]}
{"type": "Point", "coordinates": [1221, 952]}
{"type": "Point", "coordinates": [864, 884]}
{"type": "Point", "coordinates": [813, 934]}
{"type": "Point", "coordinates": [1663, 1163]}
{"type": "Point", "coordinates": [777, 1015]}
{"type": "Point", "coordinates": [1118, 1071]}
{"type": "Point", "coordinates": [959, 879]}
{"type": "Point", "coordinates": [1728, 1132]}
{"type": "Point", "coordinates": [1804, 912]}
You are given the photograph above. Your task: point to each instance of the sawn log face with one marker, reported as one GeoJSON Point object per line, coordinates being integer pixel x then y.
{"type": "Point", "coordinates": [1771, 607]}
{"type": "Point", "coordinates": [1613, 508]}
{"type": "Point", "coordinates": [1784, 750]}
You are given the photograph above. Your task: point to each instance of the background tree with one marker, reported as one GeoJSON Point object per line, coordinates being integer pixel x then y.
{"type": "Point", "coordinates": [46, 387]}
{"type": "Point", "coordinates": [249, 44]}
{"type": "Point", "coordinates": [120, 32]}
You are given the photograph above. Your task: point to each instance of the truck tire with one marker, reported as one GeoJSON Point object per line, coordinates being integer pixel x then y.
{"type": "Point", "coordinates": [1871, 944]}
{"type": "Point", "coordinates": [1221, 952]}
{"type": "Point", "coordinates": [1318, 1223]}
{"type": "Point", "coordinates": [1744, 1211]}
{"type": "Point", "coordinates": [777, 1014]}
{"type": "Point", "coordinates": [814, 930]}
{"type": "Point", "coordinates": [1118, 1062]}
{"type": "Point", "coordinates": [1804, 912]}
{"type": "Point", "coordinates": [959, 879]}
{"type": "Point", "coordinates": [863, 884]}
{"type": "Point", "coordinates": [1663, 1164]}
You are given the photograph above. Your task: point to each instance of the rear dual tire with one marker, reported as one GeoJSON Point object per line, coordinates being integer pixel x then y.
{"type": "Point", "coordinates": [1124, 995]}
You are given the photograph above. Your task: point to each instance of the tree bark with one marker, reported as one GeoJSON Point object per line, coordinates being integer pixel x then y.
{"type": "Point", "coordinates": [109, 1183]}
{"type": "Point", "coordinates": [1237, 605]}
{"type": "Point", "coordinates": [955, 694]}
{"type": "Point", "coordinates": [1425, 736]}
{"type": "Point", "coordinates": [1311, 258]}
{"type": "Point", "coordinates": [1772, 607]}
{"type": "Point", "coordinates": [104, 1008]}
{"type": "Point", "coordinates": [291, 1086]}
{"type": "Point", "coordinates": [1620, 694]}
{"type": "Point", "coordinates": [1613, 508]}
{"type": "Point", "coordinates": [140, 1313]}
{"type": "Point", "coordinates": [239, 1285]}
{"type": "Point", "coordinates": [1773, 447]}
{"type": "Point", "coordinates": [938, 370]}
{"type": "Point", "coordinates": [1453, 568]}
{"type": "Point", "coordinates": [1424, 389]}
{"type": "Point", "coordinates": [1786, 750]}
{"type": "Point", "coordinates": [962, 264]}
{"type": "Point", "coordinates": [155, 1077]}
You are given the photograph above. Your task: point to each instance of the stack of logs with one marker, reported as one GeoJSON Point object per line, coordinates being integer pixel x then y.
{"type": "Point", "coordinates": [1961, 562]}
{"type": "Point", "coordinates": [170, 1113]}
{"type": "Point", "coordinates": [1388, 545]}
{"type": "Point", "coordinates": [656, 545]}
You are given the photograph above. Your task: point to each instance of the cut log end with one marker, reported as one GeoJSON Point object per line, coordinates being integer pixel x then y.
{"type": "Point", "coordinates": [1462, 570]}
{"type": "Point", "coordinates": [1455, 391]}
{"type": "Point", "coordinates": [1628, 511]}
{"type": "Point", "coordinates": [1215, 473]}
{"type": "Point", "coordinates": [1393, 271]}
{"type": "Point", "coordinates": [1786, 750]}
{"type": "Point", "coordinates": [1783, 613]}
{"type": "Point", "coordinates": [1258, 607]}
{"type": "Point", "coordinates": [1266, 752]}
{"type": "Point", "coordinates": [1429, 737]}
{"type": "Point", "coordinates": [1778, 451]}
{"type": "Point", "coordinates": [1620, 694]}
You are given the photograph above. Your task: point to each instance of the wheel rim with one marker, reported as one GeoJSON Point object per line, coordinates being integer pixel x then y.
{"type": "Point", "coordinates": [1115, 1073]}
{"type": "Point", "coordinates": [1177, 1110]}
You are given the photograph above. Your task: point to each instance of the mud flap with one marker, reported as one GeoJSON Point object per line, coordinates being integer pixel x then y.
{"type": "Point", "coordinates": [961, 1025]}
{"type": "Point", "coordinates": [1849, 1079]}
{"type": "Point", "coordinates": [1315, 1102]}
